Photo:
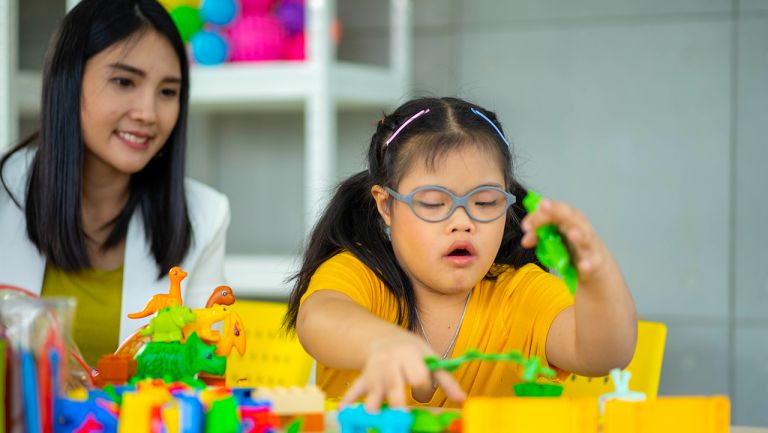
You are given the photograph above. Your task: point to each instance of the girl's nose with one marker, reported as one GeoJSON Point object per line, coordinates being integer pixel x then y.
{"type": "Point", "coordinates": [460, 221]}
{"type": "Point", "coordinates": [145, 109]}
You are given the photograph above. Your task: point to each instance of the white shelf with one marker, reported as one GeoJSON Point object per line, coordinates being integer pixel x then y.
{"type": "Point", "coordinates": [264, 86]}
{"type": "Point", "coordinates": [260, 276]}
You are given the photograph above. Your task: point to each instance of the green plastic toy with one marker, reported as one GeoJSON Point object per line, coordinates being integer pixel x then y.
{"type": "Point", "coordinates": [532, 370]}
{"type": "Point", "coordinates": [551, 249]}
{"type": "Point", "coordinates": [167, 325]}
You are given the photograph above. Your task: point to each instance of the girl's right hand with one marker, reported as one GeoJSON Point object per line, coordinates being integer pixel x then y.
{"type": "Point", "coordinates": [393, 364]}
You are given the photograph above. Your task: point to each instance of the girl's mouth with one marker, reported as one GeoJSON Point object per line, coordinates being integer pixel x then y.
{"type": "Point", "coordinates": [460, 254]}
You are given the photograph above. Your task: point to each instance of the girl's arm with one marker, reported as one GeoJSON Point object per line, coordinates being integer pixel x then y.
{"type": "Point", "coordinates": [599, 331]}
{"type": "Point", "coordinates": [341, 334]}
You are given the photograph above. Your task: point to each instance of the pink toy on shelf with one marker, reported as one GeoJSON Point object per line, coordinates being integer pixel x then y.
{"type": "Point", "coordinates": [295, 47]}
{"type": "Point", "coordinates": [257, 37]}
{"type": "Point", "coordinates": [255, 7]}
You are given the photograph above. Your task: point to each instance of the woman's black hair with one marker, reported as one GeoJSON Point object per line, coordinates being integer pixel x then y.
{"type": "Point", "coordinates": [351, 220]}
{"type": "Point", "coordinates": [53, 196]}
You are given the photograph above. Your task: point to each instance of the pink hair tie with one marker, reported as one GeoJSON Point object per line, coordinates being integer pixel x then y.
{"type": "Point", "coordinates": [411, 119]}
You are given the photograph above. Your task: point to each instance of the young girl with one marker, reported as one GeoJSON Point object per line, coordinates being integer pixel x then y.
{"type": "Point", "coordinates": [428, 252]}
{"type": "Point", "coordinates": [95, 204]}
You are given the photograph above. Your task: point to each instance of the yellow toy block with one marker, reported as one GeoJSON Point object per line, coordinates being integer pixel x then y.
{"type": "Point", "coordinates": [136, 407]}
{"type": "Point", "coordinates": [520, 414]}
{"type": "Point", "coordinates": [292, 400]}
{"type": "Point", "coordinates": [668, 415]}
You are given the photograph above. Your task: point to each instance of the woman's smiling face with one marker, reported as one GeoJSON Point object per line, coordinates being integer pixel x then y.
{"type": "Point", "coordinates": [130, 101]}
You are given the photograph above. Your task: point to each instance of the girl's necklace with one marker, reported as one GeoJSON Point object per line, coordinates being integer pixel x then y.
{"type": "Point", "coordinates": [455, 334]}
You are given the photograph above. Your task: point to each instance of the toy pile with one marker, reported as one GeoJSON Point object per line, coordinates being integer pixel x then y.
{"type": "Point", "coordinates": [218, 31]}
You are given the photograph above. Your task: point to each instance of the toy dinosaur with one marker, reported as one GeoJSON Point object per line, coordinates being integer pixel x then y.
{"type": "Point", "coordinates": [206, 317]}
{"type": "Point", "coordinates": [179, 362]}
{"type": "Point", "coordinates": [232, 334]}
{"type": "Point", "coordinates": [167, 325]}
{"type": "Point", "coordinates": [160, 301]}
{"type": "Point", "coordinates": [221, 295]}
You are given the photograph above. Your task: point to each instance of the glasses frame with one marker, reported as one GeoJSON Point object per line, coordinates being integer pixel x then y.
{"type": "Point", "coordinates": [457, 201]}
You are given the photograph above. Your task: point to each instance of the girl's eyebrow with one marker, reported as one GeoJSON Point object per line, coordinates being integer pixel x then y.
{"type": "Point", "coordinates": [136, 71]}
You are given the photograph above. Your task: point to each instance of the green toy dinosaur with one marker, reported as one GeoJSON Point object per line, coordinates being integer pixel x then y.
{"type": "Point", "coordinates": [167, 325]}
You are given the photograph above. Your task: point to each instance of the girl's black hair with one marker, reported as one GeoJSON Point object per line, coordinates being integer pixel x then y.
{"type": "Point", "coordinates": [351, 220]}
{"type": "Point", "coordinates": [53, 195]}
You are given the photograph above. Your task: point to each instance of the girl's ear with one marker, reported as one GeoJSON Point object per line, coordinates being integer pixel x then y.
{"type": "Point", "coordinates": [381, 197]}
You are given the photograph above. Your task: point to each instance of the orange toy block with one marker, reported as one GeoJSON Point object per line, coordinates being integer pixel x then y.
{"type": "Point", "coordinates": [520, 414]}
{"type": "Point", "coordinates": [292, 400]}
{"type": "Point", "coordinates": [668, 415]}
{"type": "Point", "coordinates": [310, 422]}
{"type": "Point", "coordinates": [115, 370]}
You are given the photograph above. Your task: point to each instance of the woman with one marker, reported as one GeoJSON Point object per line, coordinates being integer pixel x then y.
{"type": "Point", "coordinates": [95, 204]}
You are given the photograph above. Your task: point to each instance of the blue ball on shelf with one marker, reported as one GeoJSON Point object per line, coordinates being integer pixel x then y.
{"type": "Point", "coordinates": [209, 48]}
{"type": "Point", "coordinates": [218, 12]}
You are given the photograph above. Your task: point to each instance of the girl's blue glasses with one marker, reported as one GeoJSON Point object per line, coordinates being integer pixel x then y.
{"type": "Point", "coordinates": [434, 203]}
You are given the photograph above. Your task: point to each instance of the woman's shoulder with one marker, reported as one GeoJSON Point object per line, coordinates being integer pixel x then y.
{"type": "Point", "coordinates": [16, 171]}
{"type": "Point", "coordinates": [206, 206]}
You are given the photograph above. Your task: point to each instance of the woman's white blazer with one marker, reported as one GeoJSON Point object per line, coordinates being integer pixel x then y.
{"type": "Point", "coordinates": [22, 265]}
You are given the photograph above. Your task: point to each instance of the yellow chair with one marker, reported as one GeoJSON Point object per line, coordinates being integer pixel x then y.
{"type": "Point", "coordinates": [645, 367]}
{"type": "Point", "coordinates": [271, 358]}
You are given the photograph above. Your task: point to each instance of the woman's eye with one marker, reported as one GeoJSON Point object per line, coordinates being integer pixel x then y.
{"type": "Point", "coordinates": [122, 82]}
{"type": "Point", "coordinates": [169, 92]}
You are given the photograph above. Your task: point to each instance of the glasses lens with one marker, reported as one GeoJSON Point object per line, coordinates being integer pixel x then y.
{"type": "Point", "coordinates": [432, 204]}
{"type": "Point", "coordinates": [487, 204]}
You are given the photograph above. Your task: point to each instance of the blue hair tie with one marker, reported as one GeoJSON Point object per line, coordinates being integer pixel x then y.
{"type": "Point", "coordinates": [479, 113]}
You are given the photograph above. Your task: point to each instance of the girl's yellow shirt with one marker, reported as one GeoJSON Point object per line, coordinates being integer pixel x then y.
{"type": "Point", "coordinates": [512, 312]}
{"type": "Point", "coordinates": [96, 327]}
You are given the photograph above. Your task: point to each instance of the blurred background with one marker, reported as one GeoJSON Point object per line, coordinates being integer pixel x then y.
{"type": "Point", "coordinates": [650, 116]}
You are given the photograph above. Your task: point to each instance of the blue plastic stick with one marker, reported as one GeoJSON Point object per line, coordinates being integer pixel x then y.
{"type": "Point", "coordinates": [31, 393]}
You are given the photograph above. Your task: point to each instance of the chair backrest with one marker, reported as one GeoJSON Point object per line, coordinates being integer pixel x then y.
{"type": "Point", "coordinates": [271, 358]}
{"type": "Point", "coordinates": [645, 367]}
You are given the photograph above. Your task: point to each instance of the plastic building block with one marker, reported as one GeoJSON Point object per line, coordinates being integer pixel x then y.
{"type": "Point", "coordinates": [425, 421]}
{"type": "Point", "coordinates": [540, 415]}
{"type": "Point", "coordinates": [94, 414]}
{"type": "Point", "coordinates": [532, 368]}
{"type": "Point", "coordinates": [138, 411]}
{"type": "Point", "coordinates": [222, 417]}
{"type": "Point", "coordinates": [309, 422]}
{"type": "Point", "coordinates": [177, 361]}
{"type": "Point", "coordinates": [166, 326]}
{"type": "Point", "coordinates": [160, 301]}
{"type": "Point", "coordinates": [668, 415]}
{"type": "Point", "coordinates": [114, 369]}
{"type": "Point", "coordinates": [551, 249]}
{"type": "Point", "coordinates": [621, 384]}
{"type": "Point", "coordinates": [292, 400]}
{"type": "Point", "coordinates": [355, 419]}
{"type": "Point", "coordinates": [258, 419]}
{"type": "Point", "coordinates": [221, 295]}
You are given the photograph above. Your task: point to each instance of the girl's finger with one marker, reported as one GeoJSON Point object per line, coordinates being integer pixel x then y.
{"type": "Point", "coordinates": [451, 388]}
{"type": "Point", "coordinates": [374, 399]}
{"type": "Point", "coordinates": [353, 393]}
{"type": "Point", "coordinates": [396, 390]}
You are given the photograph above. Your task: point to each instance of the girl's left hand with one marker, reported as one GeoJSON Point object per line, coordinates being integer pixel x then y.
{"type": "Point", "coordinates": [589, 254]}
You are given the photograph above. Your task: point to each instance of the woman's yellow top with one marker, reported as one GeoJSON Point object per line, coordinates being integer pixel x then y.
{"type": "Point", "coordinates": [512, 312]}
{"type": "Point", "coordinates": [96, 328]}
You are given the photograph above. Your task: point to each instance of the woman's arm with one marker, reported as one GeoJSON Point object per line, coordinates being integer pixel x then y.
{"type": "Point", "coordinates": [599, 331]}
{"type": "Point", "coordinates": [341, 334]}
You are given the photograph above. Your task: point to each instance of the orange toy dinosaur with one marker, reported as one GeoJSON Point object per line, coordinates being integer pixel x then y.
{"type": "Point", "coordinates": [221, 295]}
{"type": "Point", "coordinates": [158, 302]}
{"type": "Point", "coordinates": [232, 335]}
